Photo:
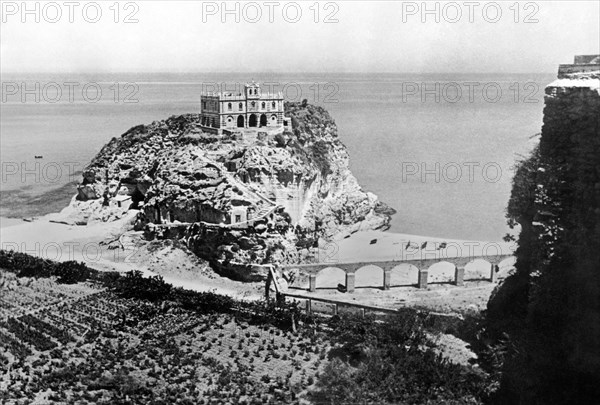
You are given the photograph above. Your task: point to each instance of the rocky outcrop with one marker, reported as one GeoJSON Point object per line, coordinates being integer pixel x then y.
{"type": "Point", "coordinates": [247, 197]}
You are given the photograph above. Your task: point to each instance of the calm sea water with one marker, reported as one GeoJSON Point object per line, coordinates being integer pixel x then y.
{"type": "Point", "coordinates": [437, 148]}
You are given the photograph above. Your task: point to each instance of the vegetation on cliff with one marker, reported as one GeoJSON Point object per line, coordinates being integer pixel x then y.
{"type": "Point", "coordinates": [545, 319]}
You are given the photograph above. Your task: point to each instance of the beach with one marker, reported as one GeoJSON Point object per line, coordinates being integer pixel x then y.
{"type": "Point", "coordinates": [112, 246]}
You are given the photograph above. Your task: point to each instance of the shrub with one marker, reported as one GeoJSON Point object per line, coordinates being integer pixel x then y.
{"type": "Point", "coordinates": [135, 285]}
{"type": "Point", "coordinates": [387, 363]}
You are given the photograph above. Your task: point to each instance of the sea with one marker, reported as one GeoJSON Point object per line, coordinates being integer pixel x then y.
{"type": "Point", "coordinates": [438, 148]}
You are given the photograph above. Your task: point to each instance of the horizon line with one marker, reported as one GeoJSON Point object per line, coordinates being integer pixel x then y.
{"type": "Point", "coordinates": [262, 72]}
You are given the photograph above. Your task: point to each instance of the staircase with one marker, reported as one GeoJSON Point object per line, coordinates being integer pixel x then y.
{"type": "Point", "coordinates": [264, 210]}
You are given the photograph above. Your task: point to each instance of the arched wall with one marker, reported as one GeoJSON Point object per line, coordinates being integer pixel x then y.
{"type": "Point", "coordinates": [441, 272]}
{"type": "Point", "coordinates": [478, 269]}
{"type": "Point", "coordinates": [404, 275]}
{"type": "Point", "coordinates": [330, 277]}
{"type": "Point", "coordinates": [369, 276]}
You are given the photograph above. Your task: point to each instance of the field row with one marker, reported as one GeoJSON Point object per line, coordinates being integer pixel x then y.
{"type": "Point", "coordinates": [59, 323]}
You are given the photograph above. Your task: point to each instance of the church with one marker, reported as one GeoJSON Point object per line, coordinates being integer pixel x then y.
{"type": "Point", "coordinates": [252, 109]}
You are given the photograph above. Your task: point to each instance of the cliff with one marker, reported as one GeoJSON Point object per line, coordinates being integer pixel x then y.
{"type": "Point", "coordinates": [241, 197]}
{"type": "Point", "coordinates": [550, 307]}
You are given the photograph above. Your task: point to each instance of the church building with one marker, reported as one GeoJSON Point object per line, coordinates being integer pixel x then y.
{"type": "Point", "coordinates": [252, 109]}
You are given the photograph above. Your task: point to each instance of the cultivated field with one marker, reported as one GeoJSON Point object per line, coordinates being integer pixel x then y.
{"type": "Point", "coordinates": [82, 344]}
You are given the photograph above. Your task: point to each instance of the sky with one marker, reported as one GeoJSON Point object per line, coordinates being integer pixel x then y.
{"type": "Point", "coordinates": [302, 36]}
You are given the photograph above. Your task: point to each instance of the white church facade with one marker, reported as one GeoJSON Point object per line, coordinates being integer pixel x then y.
{"type": "Point", "coordinates": [250, 109]}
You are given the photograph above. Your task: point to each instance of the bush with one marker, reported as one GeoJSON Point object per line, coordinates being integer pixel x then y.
{"type": "Point", "coordinates": [389, 364]}
{"type": "Point", "coordinates": [24, 265]}
{"type": "Point", "coordinates": [135, 285]}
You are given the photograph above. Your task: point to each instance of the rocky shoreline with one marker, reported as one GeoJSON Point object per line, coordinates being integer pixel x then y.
{"type": "Point", "coordinates": [286, 190]}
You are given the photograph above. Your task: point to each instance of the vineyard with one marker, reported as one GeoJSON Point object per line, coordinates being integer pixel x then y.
{"type": "Point", "coordinates": [116, 349]}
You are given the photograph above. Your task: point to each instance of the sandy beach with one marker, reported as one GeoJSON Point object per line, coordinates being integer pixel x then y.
{"type": "Point", "coordinates": [380, 246]}
{"type": "Point", "coordinates": [6, 222]}
{"type": "Point", "coordinates": [101, 246]}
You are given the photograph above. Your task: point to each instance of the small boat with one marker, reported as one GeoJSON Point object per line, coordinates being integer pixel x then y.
{"type": "Point", "coordinates": [39, 157]}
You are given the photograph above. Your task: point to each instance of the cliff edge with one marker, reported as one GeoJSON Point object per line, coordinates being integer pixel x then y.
{"type": "Point", "coordinates": [548, 311]}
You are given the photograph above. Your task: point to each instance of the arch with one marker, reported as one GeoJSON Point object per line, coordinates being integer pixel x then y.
{"type": "Point", "coordinates": [404, 274]}
{"type": "Point", "coordinates": [507, 267]}
{"type": "Point", "coordinates": [229, 121]}
{"type": "Point", "coordinates": [478, 269]}
{"type": "Point", "coordinates": [369, 276]}
{"type": "Point", "coordinates": [263, 120]}
{"type": "Point", "coordinates": [263, 105]}
{"type": "Point", "coordinates": [330, 277]}
{"type": "Point", "coordinates": [240, 121]}
{"type": "Point", "coordinates": [273, 119]}
{"type": "Point", "coordinates": [229, 106]}
{"type": "Point", "coordinates": [252, 120]}
{"type": "Point", "coordinates": [241, 107]}
{"type": "Point", "coordinates": [441, 272]}
{"type": "Point", "coordinates": [273, 104]}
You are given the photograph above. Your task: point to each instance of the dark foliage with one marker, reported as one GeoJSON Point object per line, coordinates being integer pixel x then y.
{"type": "Point", "coordinates": [387, 362]}
{"type": "Point", "coordinates": [282, 315]}
{"type": "Point", "coordinates": [24, 265]}
{"type": "Point", "coordinates": [203, 302]}
{"type": "Point", "coordinates": [135, 285]}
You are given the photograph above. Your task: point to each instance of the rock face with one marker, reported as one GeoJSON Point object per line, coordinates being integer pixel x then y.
{"type": "Point", "coordinates": [246, 197]}
{"type": "Point", "coordinates": [550, 306]}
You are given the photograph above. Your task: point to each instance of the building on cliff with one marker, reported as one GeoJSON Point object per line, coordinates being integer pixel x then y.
{"type": "Point", "coordinates": [581, 64]}
{"type": "Point", "coordinates": [250, 109]}
{"type": "Point", "coordinates": [580, 76]}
